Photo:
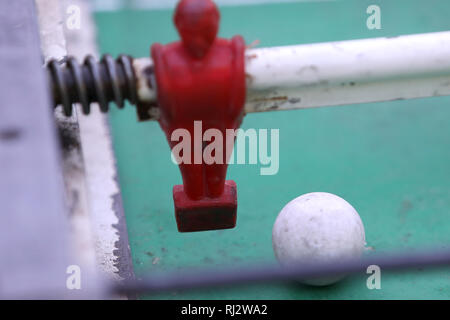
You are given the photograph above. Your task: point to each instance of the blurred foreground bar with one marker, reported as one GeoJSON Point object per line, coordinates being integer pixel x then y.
{"type": "Point", "coordinates": [34, 248]}
{"type": "Point", "coordinates": [209, 278]}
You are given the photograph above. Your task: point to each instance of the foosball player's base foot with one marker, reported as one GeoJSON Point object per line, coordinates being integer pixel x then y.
{"type": "Point", "coordinates": [205, 214]}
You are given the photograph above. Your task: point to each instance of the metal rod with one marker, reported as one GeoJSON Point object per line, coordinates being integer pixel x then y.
{"type": "Point", "coordinates": [336, 73]}
{"type": "Point", "coordinates": [282, 78]}
{"type": "Point", "coordinates": [274, 273]}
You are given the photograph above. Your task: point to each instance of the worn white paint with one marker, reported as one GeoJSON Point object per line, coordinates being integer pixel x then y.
{"type": "Point", "coordinates": [53, 45]}
{"type": "Point", "coordinates": [101, 174]}
{"type": "Point", "coordinates": [53, 42]}
{"type": "Point", "coordinates": [348, 72]}
{"type": "Point", "coordinates": [318, 228]}
{"type": "Point", "coordinates": [144, 91]}
{"type": "Point", "coordinates": [97, 152]}
{"type": "Point", "coordinates": [341, 73]}
{"type": "Point", "coordinates": [90, 173]}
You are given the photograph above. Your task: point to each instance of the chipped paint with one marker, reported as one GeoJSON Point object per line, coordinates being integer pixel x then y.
{"type": "Point", "coordinates": [283, 98]}
{"type": "Point", "coordinates": [146, 84]}
{"type": "Point", "coordinates": [53, 46]}
{"type": "Point", "coordinates": [107, 220]}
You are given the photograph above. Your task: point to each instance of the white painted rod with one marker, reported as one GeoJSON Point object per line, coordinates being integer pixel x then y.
{"type": "Point", "coordinates": [339, 73]}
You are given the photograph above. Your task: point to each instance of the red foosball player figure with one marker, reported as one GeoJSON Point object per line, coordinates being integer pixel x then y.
{"type": "Point", "coordinates": [201, 78]}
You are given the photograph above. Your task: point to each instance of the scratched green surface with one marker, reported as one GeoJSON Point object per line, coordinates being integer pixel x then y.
{"type": "Point", "coordinates": [391, 161]}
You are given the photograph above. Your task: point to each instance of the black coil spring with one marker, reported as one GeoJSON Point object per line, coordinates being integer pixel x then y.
{"type": "Point", "coordinates": [103, 81]}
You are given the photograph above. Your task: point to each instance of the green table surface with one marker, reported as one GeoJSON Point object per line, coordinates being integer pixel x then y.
{"type": "Point", "coordinates": [390, 160]}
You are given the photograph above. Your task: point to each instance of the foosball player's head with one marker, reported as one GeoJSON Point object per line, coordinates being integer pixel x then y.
{"type": "Point", "coordinates": [197, 22]}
